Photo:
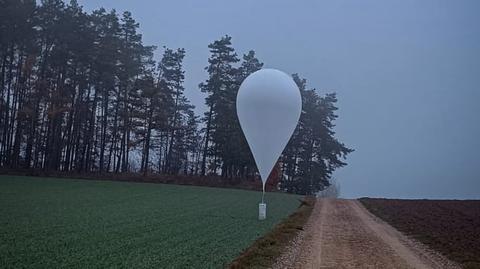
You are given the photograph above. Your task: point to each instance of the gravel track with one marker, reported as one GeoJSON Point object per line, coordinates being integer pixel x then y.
{"type": "Point", "coordinates": [343, 234]}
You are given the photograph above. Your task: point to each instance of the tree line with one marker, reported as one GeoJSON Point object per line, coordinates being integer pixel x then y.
{"type": "Point", "coordinates": [81, 93]}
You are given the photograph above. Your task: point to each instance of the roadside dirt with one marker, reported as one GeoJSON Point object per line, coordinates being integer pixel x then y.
{"type": "Point", "coordinates": [343, 234]}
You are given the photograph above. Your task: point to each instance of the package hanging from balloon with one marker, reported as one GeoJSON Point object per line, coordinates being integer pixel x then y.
{"type": "Point", "coordinates": [262, 211]}
{"type": "Point", "coordinates": [269, 105]}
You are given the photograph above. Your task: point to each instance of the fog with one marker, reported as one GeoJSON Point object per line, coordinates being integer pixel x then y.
{"type": "Point", "coordinates": [407, 74]}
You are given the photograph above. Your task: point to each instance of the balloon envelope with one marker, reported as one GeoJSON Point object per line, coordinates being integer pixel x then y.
{"type": "Point", "coordinates": [268, 108]}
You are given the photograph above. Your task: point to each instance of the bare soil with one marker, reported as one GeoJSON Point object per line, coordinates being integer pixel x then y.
{"type": "Point", "coordinates": [343, 234]}
{"type": "Point", "coordinates": [451, 227]}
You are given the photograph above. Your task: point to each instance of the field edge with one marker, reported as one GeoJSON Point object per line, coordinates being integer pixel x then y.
{"type": "Point", "coordinates": [266, 249]}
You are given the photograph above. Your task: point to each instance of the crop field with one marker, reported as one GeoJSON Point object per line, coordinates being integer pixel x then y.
{"type": "Point", "coordinates": [451, 227]}
{"type": "Point", "coordinates": [51, 223]}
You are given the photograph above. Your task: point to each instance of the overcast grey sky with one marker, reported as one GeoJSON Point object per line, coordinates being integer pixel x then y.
{"type": "Point", "coordinates": [407, 74]}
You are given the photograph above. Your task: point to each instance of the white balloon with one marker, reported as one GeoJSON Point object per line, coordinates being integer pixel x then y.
{"type": "Point", "coordinates": [268, 108]}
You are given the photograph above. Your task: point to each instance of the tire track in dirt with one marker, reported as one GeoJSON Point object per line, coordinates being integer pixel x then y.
{"type": "Point", "coordinates": [343, 234]}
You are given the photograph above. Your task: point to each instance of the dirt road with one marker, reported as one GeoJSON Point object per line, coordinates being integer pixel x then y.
{"type": "Point", "coordinates": [343, 234]}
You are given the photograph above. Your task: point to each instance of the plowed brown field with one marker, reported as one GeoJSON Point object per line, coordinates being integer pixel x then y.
{"type": "Point", "coordinates": [452, 227]}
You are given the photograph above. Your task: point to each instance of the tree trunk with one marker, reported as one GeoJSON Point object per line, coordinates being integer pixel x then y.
{"type": "Point", "coordinates": [207, 135]}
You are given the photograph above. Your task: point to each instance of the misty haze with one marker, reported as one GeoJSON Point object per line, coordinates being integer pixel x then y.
{"type": "Point", "coordinates": [239, 134]}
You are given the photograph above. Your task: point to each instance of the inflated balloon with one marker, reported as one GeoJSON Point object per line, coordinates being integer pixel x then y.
{"type": "Point", "coordinates": [268, 108]}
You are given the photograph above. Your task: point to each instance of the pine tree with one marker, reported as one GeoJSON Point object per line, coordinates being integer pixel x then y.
{"type": "Point", "coordinates": [79, 92]}
{"type": "Point", "coordinates": [220, 83]}
{"type": "Point", "coordinates": [171, 79]}
{"type": "Point", "coordinates": [313, 153]}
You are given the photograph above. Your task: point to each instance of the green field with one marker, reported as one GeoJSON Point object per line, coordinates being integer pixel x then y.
{"type": "Point", "coordinates": [51, 223]}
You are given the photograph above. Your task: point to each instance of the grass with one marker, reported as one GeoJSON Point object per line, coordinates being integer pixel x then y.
{"type": "Point", "coordinates": [52, 223]}
{"type": "Point", "coordinates": [264, 252]}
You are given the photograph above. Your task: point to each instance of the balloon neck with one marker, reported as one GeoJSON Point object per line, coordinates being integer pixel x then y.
{"type": "Point", "coordinates": [263, 194]}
